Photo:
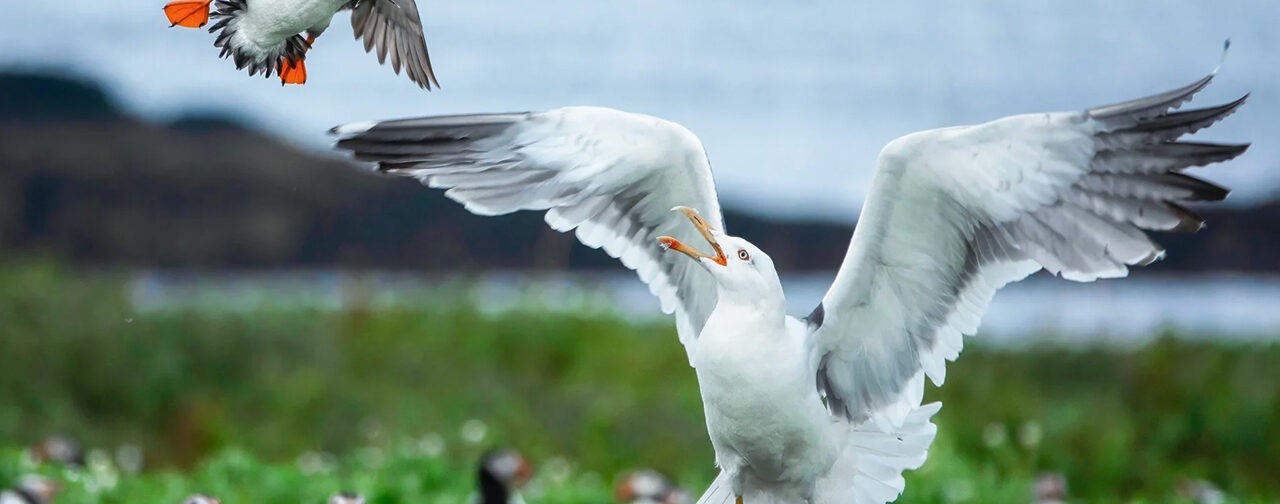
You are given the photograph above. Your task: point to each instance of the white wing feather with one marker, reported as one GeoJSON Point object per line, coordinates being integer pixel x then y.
{"type": "Point", "coordinates": [610, 176]}
{"type": "Point", "coordinates": [954, 214]}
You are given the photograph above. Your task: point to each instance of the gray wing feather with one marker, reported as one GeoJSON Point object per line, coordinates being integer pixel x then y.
{"type": "Point", "coordinates": [394, 29]}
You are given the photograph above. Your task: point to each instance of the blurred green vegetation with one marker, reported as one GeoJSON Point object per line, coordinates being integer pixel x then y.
{"type": "Point", "coordinates": [227, 402]}
{"type": "Point", "coordinates": [400, 475]}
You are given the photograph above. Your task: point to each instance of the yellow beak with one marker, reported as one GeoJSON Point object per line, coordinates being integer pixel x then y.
{"type": "Point", "coordinates": [670, 243]}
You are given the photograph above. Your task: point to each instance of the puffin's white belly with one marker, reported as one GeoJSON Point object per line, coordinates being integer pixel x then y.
{"type": "Point", "coordinates": [759, 399]}
{"type": "Point", "coordinates": [270, 22]}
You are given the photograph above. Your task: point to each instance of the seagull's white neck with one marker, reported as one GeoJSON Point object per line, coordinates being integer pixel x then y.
{"type": "Point", "coordinates": [767, 305]}
{"type": "Point", "coordinates": [746, 312]}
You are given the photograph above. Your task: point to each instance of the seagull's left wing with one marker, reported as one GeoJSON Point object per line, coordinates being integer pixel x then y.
{"type": "Point", "coordinates": [395, 28]}
{"type": "Point", "coordinates": [956, 213]}
{"type": "Point", "coordinates": [611, 176]}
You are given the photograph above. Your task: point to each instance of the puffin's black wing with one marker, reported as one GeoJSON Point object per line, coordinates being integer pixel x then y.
{"type": "Point", "coordinates": [395, 27]}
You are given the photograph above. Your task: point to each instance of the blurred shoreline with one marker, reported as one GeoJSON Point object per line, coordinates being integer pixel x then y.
{"type": "Point", "coordinates": [1042, 309]}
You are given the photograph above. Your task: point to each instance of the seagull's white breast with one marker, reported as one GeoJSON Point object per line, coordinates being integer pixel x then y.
{"type": "Point", "coordinates": [761, 404]}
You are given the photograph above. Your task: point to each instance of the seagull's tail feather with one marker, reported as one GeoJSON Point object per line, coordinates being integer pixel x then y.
{"type": "Point", "coordinates": [869, 471]}
{"type": "Point", "coordinates": [719, 491]}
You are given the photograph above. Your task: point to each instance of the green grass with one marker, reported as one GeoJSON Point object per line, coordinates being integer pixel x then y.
{"type": "Point", "coordinates": [226, 403]}
{"type": "Point", "coordinates": [401, 474]}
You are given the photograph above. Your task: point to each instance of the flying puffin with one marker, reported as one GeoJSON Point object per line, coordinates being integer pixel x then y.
{"type": "Point", "coordinates": [266, 36]}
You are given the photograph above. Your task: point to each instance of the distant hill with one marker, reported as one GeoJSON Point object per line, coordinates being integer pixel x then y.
{"type": "Point", "coordinates": [84, 181]}
{"type": "Point", "coordinates": [40, 98]}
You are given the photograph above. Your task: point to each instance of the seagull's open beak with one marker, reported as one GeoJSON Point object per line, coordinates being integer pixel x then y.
{"type": "Point", "coordinates": [670, 243]}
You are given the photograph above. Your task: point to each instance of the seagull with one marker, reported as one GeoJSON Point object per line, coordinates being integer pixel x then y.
{"type": "Point", "coordinates": [264, 36]}
{"type": "Point", "coordinates": [828, 407]}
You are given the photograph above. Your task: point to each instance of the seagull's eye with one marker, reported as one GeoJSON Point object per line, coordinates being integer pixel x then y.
{"type": "Point", "coordinates": [742, 254]}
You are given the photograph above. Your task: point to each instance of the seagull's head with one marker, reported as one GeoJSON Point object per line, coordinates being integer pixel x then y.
{"type": "Point", "coordinates": [736, 264]}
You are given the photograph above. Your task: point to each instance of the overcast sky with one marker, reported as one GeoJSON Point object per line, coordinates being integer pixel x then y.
{"type": "Point", "coordinates": [793, 100]}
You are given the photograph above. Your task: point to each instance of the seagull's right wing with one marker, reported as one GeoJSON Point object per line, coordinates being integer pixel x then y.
{"type": "Point", "coordinates": [954, 214]}
{"type": "Point", "coordinates": [611, 176]}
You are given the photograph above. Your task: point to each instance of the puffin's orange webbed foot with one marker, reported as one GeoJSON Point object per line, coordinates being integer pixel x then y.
{"type": "Point", "coordinates": [188, 13]}
{"type": "Point", "coordinates": [293, 72]}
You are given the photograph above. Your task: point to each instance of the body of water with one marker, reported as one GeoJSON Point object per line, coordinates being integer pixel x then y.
{"type": "Point", "coordinates": [1126, 311]}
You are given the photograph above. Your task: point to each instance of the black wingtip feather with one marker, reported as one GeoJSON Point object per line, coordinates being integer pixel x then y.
{"type": "Point", "coordinates": [1188, 221]}
{"type": "Point", "coordinates": [435, 129]}
{"type": "Point", "coordinates": [1201, 190]}
{"type": "Point", "coordinates": [1199, 153]}
{"type": "Point", "coordinates": [1151, 105]}
{"type": "Point", "coordinates": [1194, 119]}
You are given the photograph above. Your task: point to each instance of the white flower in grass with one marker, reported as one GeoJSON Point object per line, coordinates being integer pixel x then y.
{"type": "Point", "coordinates": [102, 473]}
{"type": "Point", "coordinates": [958, 491]}
{"type": "Point", "coordinates": [314, 462]}
{"type": "Point", "coordinates": [1030, 434]}
{"type": "Point", "coordinates": [27, 461]}
{"type": "Point", "coordinates": [371, 457]}
{"type": "Point", "coordinates": [474, 431]}
{"type": "Point", "coordinates": [558, 470]}
{"type": "Point", "coordinates": [431, 445]}
{"type": "Point", "coordinates": [535, 489]}
{"type": "Point", "coordinates": [994, 434]}
{"type": "Point", "coordinates": [370, 428]}
{"type": "Point", "coordinates": [130, 458]}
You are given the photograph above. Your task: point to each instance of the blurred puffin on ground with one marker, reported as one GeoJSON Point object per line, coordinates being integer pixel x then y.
{"type": "Point", "coordinates": [500, 473]}
{"type": "Point", "coordinates": [31, 489]}
{"type": "Point", "coordinates": [346, 498]}
{"type": "Point", "coordinates": [647, 486]}
{"type": "Point", "coordinates": [59, 449]}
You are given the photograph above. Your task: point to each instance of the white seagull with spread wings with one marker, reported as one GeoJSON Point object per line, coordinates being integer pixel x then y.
{"type": "Point", "coordinates": [827, 408]}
